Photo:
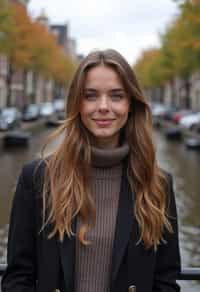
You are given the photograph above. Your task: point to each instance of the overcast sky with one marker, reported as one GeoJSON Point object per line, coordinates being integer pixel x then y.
{"type": "Point", "coordinates": [128, 26]}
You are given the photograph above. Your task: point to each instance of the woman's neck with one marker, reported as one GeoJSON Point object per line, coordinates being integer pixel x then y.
{"type": "Point", "coordinates": [105, 143]}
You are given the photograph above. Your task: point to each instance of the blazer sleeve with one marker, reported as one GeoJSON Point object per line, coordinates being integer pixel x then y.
{"type": "Point", "coordinates": [20, 274]}
{"type": "Point", "coordinates": [168, 263]}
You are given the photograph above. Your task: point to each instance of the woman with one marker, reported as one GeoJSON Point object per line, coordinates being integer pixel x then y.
{"type": "Point", "coordinates": [98, 214]}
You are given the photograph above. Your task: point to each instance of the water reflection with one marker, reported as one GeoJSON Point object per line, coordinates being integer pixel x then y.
{"type": "Point", "coordinates": [12, 161]}
{"type": "Point", "coordinates": [184, 165]}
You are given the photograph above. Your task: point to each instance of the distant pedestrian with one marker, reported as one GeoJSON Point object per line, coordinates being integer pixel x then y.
{"type": "Point", "coordinates": [98, 214]}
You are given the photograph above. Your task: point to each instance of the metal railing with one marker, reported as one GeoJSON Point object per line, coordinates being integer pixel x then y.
{"type": "Point", "coordinates": [187, 274]}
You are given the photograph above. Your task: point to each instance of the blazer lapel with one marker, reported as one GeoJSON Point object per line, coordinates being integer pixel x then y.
{"type": "Point", "coordinates": [67, 258]}
{"type": "Point", "coordinates": [123, 224]}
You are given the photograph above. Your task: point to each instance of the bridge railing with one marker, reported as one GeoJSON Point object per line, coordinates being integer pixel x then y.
{"type": "Point", "coordinates": [186, 274]}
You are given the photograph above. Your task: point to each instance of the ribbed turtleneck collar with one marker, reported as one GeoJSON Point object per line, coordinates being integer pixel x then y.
{"type": "Point", "coordinates": [104, 158]}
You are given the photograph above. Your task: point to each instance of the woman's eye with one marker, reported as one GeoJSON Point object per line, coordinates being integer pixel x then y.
{"type": "Point", "coordinates": [90, 96]}
{"type": "Point", "coordinates": [117, 96]}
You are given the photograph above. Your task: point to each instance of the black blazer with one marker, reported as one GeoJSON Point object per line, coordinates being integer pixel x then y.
{"type": "Point", "coordinates": [38, 264]}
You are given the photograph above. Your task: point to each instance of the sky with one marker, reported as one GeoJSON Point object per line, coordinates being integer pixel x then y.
{"type": "Point", "coordinates": [129, 26]}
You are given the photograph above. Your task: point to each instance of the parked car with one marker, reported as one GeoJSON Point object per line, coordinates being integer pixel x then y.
{"type": "Point", "coordinates": [46, 109]}
{"type": "Point", "coordinates": [10, 117]}
{"type": "Point", "coordinates": [157, 109]}
{"type": "Point", "coordinates": [31, 113]}
{"type": "Point", "coordinates": [168, 113]}
{"type": "Point", "coordinates": [59, 105]}
{"type": "Point", "coordinates": [190, 120]}
{"type": "Point", "coordinates": [180, 114]}
{"type": "Point", "coordinates": [163, 111]}
{"type": "Point", "coordinates": [196, 127]}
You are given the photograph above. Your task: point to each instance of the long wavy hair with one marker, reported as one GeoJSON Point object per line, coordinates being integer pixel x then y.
{"type": "Point", "coordinates": [66, 192]}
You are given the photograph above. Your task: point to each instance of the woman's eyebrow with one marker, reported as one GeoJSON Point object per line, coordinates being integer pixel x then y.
{"type": "Point", "coordinates": [121, 90]}
{"type": "Point", "coordinates": [90, 89]}
{"type": "Point", "coordinates": [117, 90]}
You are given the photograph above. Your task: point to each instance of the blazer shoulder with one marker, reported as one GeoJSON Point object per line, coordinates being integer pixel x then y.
{"type": "Point", "coordinates": [169, 181]}
{"type": "Point", "coordinates": [166, 173]}
{"type": "Point", "coordinates": [33, 173]}
{"type": "Point", "coordinates": [31, 167]}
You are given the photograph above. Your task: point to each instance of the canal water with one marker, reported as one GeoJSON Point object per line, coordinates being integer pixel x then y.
{"type": "Point", "coordinates": [172, 156]}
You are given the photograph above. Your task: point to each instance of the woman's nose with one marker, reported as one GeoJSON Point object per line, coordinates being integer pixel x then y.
{"type": "Point", "coordinates": [103, 103]}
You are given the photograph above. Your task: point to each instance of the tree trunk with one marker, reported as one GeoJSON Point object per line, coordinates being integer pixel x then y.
{"type": "Point", "coordinates": [33, 95]}
{"type": "Point", "coordinates": [173, 100]}
{"type": "Point", "coordinates": [187, 94]}
{"type": "Point", "coordinates": [24, 90]}
{"type": "Point", "coordinates": [9, 84]}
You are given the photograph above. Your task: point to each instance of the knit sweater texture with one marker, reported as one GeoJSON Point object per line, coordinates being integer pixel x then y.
{"type": "Point", "coordinates": [93, 262]}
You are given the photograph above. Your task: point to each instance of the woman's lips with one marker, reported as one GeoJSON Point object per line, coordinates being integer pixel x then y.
{"type": "Point", "coordinates": [103, 122]}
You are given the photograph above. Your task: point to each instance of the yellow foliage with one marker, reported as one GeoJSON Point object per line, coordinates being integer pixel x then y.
{"type": "Point", "coordinates": [180, 49]}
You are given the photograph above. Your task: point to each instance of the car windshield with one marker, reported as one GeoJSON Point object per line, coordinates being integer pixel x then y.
{"type": "Point", "coordinates": [8, 112]}
{"type": "Point", "coordinates": [32, 107]}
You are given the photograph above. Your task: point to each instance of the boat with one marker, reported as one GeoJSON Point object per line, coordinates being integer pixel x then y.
{"type": "Point", "coordinates": [193, 143]}
{"type": "Point", "coordinates": [174, 133]}
{"type": "Point", "coordinates": [16, 139]}
{"type": "Point", "coordinates": [52, 122]}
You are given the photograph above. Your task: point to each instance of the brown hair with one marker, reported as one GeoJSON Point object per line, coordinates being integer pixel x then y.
{"type": "Point", "coordinates": [66, 192]}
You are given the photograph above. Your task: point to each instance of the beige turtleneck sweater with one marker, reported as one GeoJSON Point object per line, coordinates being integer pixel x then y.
{"type": "Point", "coordinates": [93, 262]}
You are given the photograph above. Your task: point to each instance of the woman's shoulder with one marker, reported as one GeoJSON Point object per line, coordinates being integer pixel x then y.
{"type": "Point", "coordinates": [31, 167]}
{"type": "Point", "coordinates": [33, 172]}
{"type": "Point", "coordinates": [167, 174]}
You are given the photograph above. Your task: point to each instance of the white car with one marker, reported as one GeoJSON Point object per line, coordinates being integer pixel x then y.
{"type": "Point", "coordinates": [10, 117]}
{"type": "Point", "coordinates": [190, 120]}
{"type": "Point", "coordinates": [46, 109]}
{"type": "Point", "coordinates": [59, 105]}
{"type": "Point", "coordinates": [158, 110]}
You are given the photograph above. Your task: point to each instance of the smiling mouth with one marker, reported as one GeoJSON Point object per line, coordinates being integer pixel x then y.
{"type": "Point", "coordinates": [103, 122]}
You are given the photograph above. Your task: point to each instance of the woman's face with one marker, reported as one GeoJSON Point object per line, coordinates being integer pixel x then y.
{"type": "Point", "coordinates": [105, 106]}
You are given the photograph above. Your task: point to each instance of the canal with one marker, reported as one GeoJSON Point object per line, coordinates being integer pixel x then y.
{"type": "Point", "coordinates": [172, 156]}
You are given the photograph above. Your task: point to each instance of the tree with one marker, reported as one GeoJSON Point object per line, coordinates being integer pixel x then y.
{"type": "Point", "coordinates": [148, 68]}
{"type": "Point", "coordinates": [179, 54]}
{"type": "Point", "coordinates": [16, 44]}
{"type": "Point", "coordinates": [47, 57]}
{"type": "Point", "coordinates": [6, 25]}
{"type": "Point", "coordinates": [30, 46]}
